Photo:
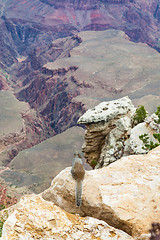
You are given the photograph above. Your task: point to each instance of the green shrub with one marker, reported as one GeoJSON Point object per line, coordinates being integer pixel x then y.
{"type": "Point", "coordinates": [93, 163]}
{"type": "Point", "coordinates": [149, 145]}
{"type": "Point", "coordinates": [2, 221]}
{"type": "Point", "coordinates": [1, 225]}
{"type": "Point", "coordinates": [157, 136]}
{"type": "Point", "coordinates": [139, 115]}
{"type": "Point", "coordinates": [158, 114]}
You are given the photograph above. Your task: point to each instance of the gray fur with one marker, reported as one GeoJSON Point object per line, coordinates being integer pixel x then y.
{"type": "Point", "coordinates": [78, 173]}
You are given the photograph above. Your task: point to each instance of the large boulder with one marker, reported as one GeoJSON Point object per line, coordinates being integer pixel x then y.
{"type": "Point", "coordinates": [35, 218]}
{"type": "Point", "coordinates": [124, 194]}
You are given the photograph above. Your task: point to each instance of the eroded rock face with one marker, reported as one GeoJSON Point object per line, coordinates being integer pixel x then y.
{"type": "Point", "coordinates": [125, 194]}
{"type": "Point", "coordinates": [107, 126]}
{"type": "Point", "coordinates": [35, 218]}
{"type": "Point", "coordinates": [110, 133]}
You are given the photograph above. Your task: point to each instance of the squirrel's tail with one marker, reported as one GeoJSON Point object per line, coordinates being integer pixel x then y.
{"type": "Point", "coordinates": [78, 193]}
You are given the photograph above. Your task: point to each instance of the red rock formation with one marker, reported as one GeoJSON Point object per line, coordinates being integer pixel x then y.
{"type": "Point", "coordinates": [26, 25]}
{"type": "Point", "coordinates": [48, 91]}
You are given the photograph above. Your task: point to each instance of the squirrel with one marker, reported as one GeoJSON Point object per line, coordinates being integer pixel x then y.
{"type": "Point", "coordinates": [78, 173]}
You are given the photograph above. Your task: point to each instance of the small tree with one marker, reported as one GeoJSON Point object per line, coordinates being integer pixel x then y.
{"type": "Point", "coordinates": [5, 201]}
{"type": "Point", "coordinates": [139, 115]}
{"type": "Point", "coordinates": [158, 114]}
{"type": "Point", "coordinates": [149, 145]}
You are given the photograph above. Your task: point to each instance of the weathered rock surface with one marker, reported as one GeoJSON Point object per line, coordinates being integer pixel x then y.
{"type": "Point", "coordinates": [125, 194]}
{"type": "Point", "coordinates": [111, 134]}
{"type": "Point", "coordinates": [107, 125]}
{"type": "Point", "coordinates": [35, 218]}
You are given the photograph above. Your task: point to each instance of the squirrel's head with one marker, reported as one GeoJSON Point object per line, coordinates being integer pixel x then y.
{"type": "Point", "coordinates": [77, 155]}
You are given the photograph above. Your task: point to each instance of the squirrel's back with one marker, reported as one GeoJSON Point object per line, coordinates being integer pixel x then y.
{"type": "Point", "coordinates": [78, 173]}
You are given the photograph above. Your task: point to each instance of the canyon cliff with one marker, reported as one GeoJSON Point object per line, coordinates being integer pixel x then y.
{"type": "Point", "coordinates": [52, 60]}
{"type": "Point", "coordinates": [75, 73]}
{"type": "Point", "coordinates": [27, 33]}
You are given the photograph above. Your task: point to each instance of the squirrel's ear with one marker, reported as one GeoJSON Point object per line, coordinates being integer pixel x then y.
{"type": "Point", "coordinates": [79, 155]}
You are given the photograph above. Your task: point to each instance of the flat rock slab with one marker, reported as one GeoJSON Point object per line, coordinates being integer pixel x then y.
{"type": "Point", "coordinates": [126, 194]}
{"type": "Point", "coordinates": [35, 218]}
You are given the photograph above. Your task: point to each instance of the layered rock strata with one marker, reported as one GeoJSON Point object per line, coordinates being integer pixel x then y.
{"type": "Point", "coordinates": [102, 124]}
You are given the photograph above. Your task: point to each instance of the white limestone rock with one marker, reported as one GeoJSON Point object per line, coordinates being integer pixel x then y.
{"type": "Point", "coordinates": [110, 133]}
{"type": "Point", "coordinates": [152, 122]}
{"type": "Point", "coordinates": [107, 126]}
{"type": "Point", "coordinates": [134, 145]}
{"type": "Point", "coordinates": [113, 148]}
{"type": "Point", "coordinates": [107, 111]}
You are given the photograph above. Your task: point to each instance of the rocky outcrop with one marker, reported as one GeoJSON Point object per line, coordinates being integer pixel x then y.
{"type": "Point", "coordinates": [125, 194]}
{"type": "Point", "coordinates": [110, 133]}
{"type": "Point", "coordinates": [107, 125]}
{"type": "Point", "coordinates": [35, 218]}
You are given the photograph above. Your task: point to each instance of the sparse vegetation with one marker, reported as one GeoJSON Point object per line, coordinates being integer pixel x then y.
{"type": "Point", "coordinates": [158, 114]}
{"type": "Point", "coordinates": [5, 201]}
{"type": "Point", "coordinates": [2, 221]}
{"type": "Point", "coordinates": [139, 115]}
{"type": "Point", "coordinates": [93, 163]}
{"type": "Point", "coordinates": [148, 144]}
{"type": "Point", "coordinates": [157, 136]}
